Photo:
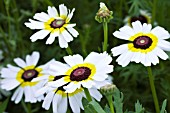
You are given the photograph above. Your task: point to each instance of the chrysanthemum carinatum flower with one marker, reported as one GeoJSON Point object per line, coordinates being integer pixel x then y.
{"type": "Point", "coordinates": [86, 73]}
{"type": "Point", "coordinates": [145, 45]}
{"type": "Point", "coordinates": [60, 100]}
{"type": "Point", "coordinates": [57, 25]}
{"type": "Point", "coordinates": [21, 77]}
{"type": "Point", "coordinates": [143, 17]}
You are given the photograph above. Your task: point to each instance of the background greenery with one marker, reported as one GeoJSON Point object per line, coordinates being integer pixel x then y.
{"type": "Point", "coordinates": [131, 80]}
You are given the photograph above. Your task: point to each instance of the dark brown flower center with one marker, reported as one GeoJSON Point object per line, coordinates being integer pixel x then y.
{"type": "Point", "coordinates": [80, 73]}
{"type": "Point", "coordinates": [142, 42]}
{"type": "Point", "coordinates": [141, 18]}
{"type": "Point", "coordinates": [28, 75]}
{"type": "Point", "coordinates": [57, 23]}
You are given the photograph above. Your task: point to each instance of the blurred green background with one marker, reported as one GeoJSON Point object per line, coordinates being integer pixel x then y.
{"type": "Point", "coordinates": [131, 80]}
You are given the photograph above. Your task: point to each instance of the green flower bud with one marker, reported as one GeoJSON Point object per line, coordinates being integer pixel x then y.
{"type": "Point", "coordinates": [103, 14]}
{"type": "Point", "coordinates": [108, 89]}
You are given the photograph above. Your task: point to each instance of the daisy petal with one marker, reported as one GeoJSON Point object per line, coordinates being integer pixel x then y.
{"type": "Point", "coordinates": [51, 39]}
{"type": "Point", "coordinates": [62, 42]}
{"type": "Point", "coordinates": [73, 60]}
{"type": "Point", "coordinates": [119, 49]}
{"type": "Point", "coordinates": [19, 96]}
{"type": "Point", "coordinates": [73, 31]}
{"type": "Point", "coordinates": [137, 26]}
{"type": "Point", "coordinates": [9, 84]}
{"type": "Point", "coordinates": [127, 30]}
{"type": "Point", "coordinates": [20, 62]}
{"type": "Point", "coordinates": [52, 11]}
{"type": "Point", "coordinates": [33, 59]}
{"type": "Point", "coordinates": [39, 35]}
{"type": "Point", "coordinates": [95, 94]}
{"type": "Point", "coordinates": [34, 24]}
{"type": "Point", "coordinates": [55, 102]}
{"type": "Point", "coordinates": [67, 36]}
{"type": "Point", "coordinates": [47, 101]}
{"type": "Point", "coordinates": [160, 53]}
{"type": "Point", "coordinates": [62, 107]}
{"type": "Point", "coordinates": [70, 16]}
{"type": "Point", "coordinates": [146, 28]}
{"type": "Point", "coordinates": [63, 10]}
{"type": "Point", "coordinates": [41, 17]}
{"type": "Point", "coordinates": [165, 45]}
{"type": "Point", "coordinates": [160, 32]}
{"type": "Point", "coordinates": [74, 105]}
{"type": "Point", "coordinates": [121, 35]}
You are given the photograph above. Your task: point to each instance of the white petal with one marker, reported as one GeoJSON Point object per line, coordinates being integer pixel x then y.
{"type": "Point", "coordinates": [48, 99]}
{"type": "Point", "coordinates": [41, 91]}
{"type": "Point", "coordinates": [56, 102]}
{"type": "Point", "coordinates": [63, 10]}
{"type": "Point", "coordinates": [74, 105]}
{"type": "Point", "coordinates": [121, 35]}
{"type": "Point", "coordinates": [100, 76]}
{"type": "Point", "coordinates": [34, 24]}
{"type": "Point", "coordinates": [7, 73]}
{"type": "Point", "coordinates": [62, 42]}
{"type": "Point", "coordinates": [99, 84]}
{"type": "Point", "coordinates": [71, 87]}
{"type": "Point", "coordinates": [136, 57]}
{"type": "Point", "coordinates": [39, 35]}
{"type": "Point", "coordinates": [20, 62]}
{"type": "Point", "coordinates": [165, 45]}
{"type": "Point", "coordinates": [88, 84]}
{"type": "Point", "coordinates": [160, 32]}
{"type": "Point", "coordinates": [70, 15]}
{"type": "Point", "coordinates": [42, 17]}
{"type": "Point", "coordinates": [95, 94]}
{"type": "Point", "coordinates": [9, 84]}
{"type": "Point", "coordinates": [146, 60]}
{"type": "Point", "coordinates": [127, 30]}
{"type": "Point", "coordinates": [52, 11]}
{"type": "Point", "coordinates": [125, 58]}
{"type": "Point", "coordinates": [153, 58]}
{"type": "Point", "coordinates": [57, 83]}
{"type": "Point", "coordinates": [19, 96]}
{"type": "Point", "coordinates": [13, 68]}
{"type": "Point", "coordinates": [33, 59]}
{"type": "Point", "coordinates": [16, 93]}
{"type": "Point", "coordinates": [160, 53]}
{"type": "Point", "coordinates": [67, 36]}
{"type": "Point", "coordinates": [119, 49]}
{"type": "Point", "coordinates": [51, 39]}
{"type": "Point", "coordinates": [137, 26]}
{"type": "Point", "coordinates": [69, 25]}
{"type": "Point", "coordinates": [27, 92]}
{"type": "Point", "coordinates": [73, 60]}
{"type": "Point", "coordinates": [73, 31]}
{"type": "Point", "coordinates": [146, 28]}
{"type": "Point", "coordinates": [62, 107]}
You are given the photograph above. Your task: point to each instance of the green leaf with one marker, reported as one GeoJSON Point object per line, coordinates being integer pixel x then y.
{"type": "Point", "coordinates": [139, 108]}
{"type": "Point", "coordinates": [97, 107]}
{"type": "Point", "coordinates": [3, 106]}
{"type": "Point", "coordinates": [87, 107]}
{"type": "Point", "coordinates": [118, 101]}
{"type": "Point", "coordinates": [163, 110]}
{"type": "Point", "coordinates": [107, 109]}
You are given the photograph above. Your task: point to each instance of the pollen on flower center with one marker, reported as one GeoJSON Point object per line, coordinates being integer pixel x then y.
{"type": "Point", "coordinates": [80, 73]}
{"type": "Point", "coordinates": [141, 18]}
{"type": "Point", "coordinates": [28, 75]}
{"type": "Point", "coordinates": [142, 42]}
{"type": "Point", "coordinates": [57, 23]}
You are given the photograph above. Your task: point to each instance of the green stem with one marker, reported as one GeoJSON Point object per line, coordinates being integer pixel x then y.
{"type": "Point", "coordinates": [87, 94]}
{"type": "Point", "coordinates": [155, 98]}
{"type": "Point", "coordinates": [29, 108]}
{"type": "Point", "coordinates": [154, 11]}
{"type": "Point", "coordinates": [105, 28]}
{"type": "Point", "coordinates": [109, 99]}
{"type": "Point", "coordinates": [69, 51]}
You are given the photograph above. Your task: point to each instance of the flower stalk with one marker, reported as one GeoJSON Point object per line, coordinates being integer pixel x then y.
{"type": "Point", "coordinates": [87, 94]}
{"type": "Point", "coordinates": [69, 51]}
{"type": "Point", "coordinates": [109, 99]}
{"type": "Point", "coordinates": [155, 98]}
{"type": "Point", "coordinates": [105, 28]}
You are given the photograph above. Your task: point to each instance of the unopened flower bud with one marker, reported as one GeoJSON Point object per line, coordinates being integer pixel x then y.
{"type": "Point", "coordinates": [103, 14]}
{"type": "Point", "coordinates": [108, 89]}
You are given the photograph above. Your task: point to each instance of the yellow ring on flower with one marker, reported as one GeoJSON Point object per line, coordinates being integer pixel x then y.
{"type": "Point", "coordinates": [20, 73]}
{"type": "Point", "coordinates": [88, 65]}
{"type": "Point", "coordinates": [150, 35]}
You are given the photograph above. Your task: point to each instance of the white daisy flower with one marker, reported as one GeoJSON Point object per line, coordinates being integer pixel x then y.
{"type": "Point", "coordinates": [57, 25]}
{"type": "Point", "coordinates": [143, 17]}
{"type": "Point", "coordinates": [145, 46]}
{"type": "Point", "coordinates": [78, 72]}
{"type": "Point", "coordinates": [59, 99]}
{"type": "Point", "coordinates": [21, 77]}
